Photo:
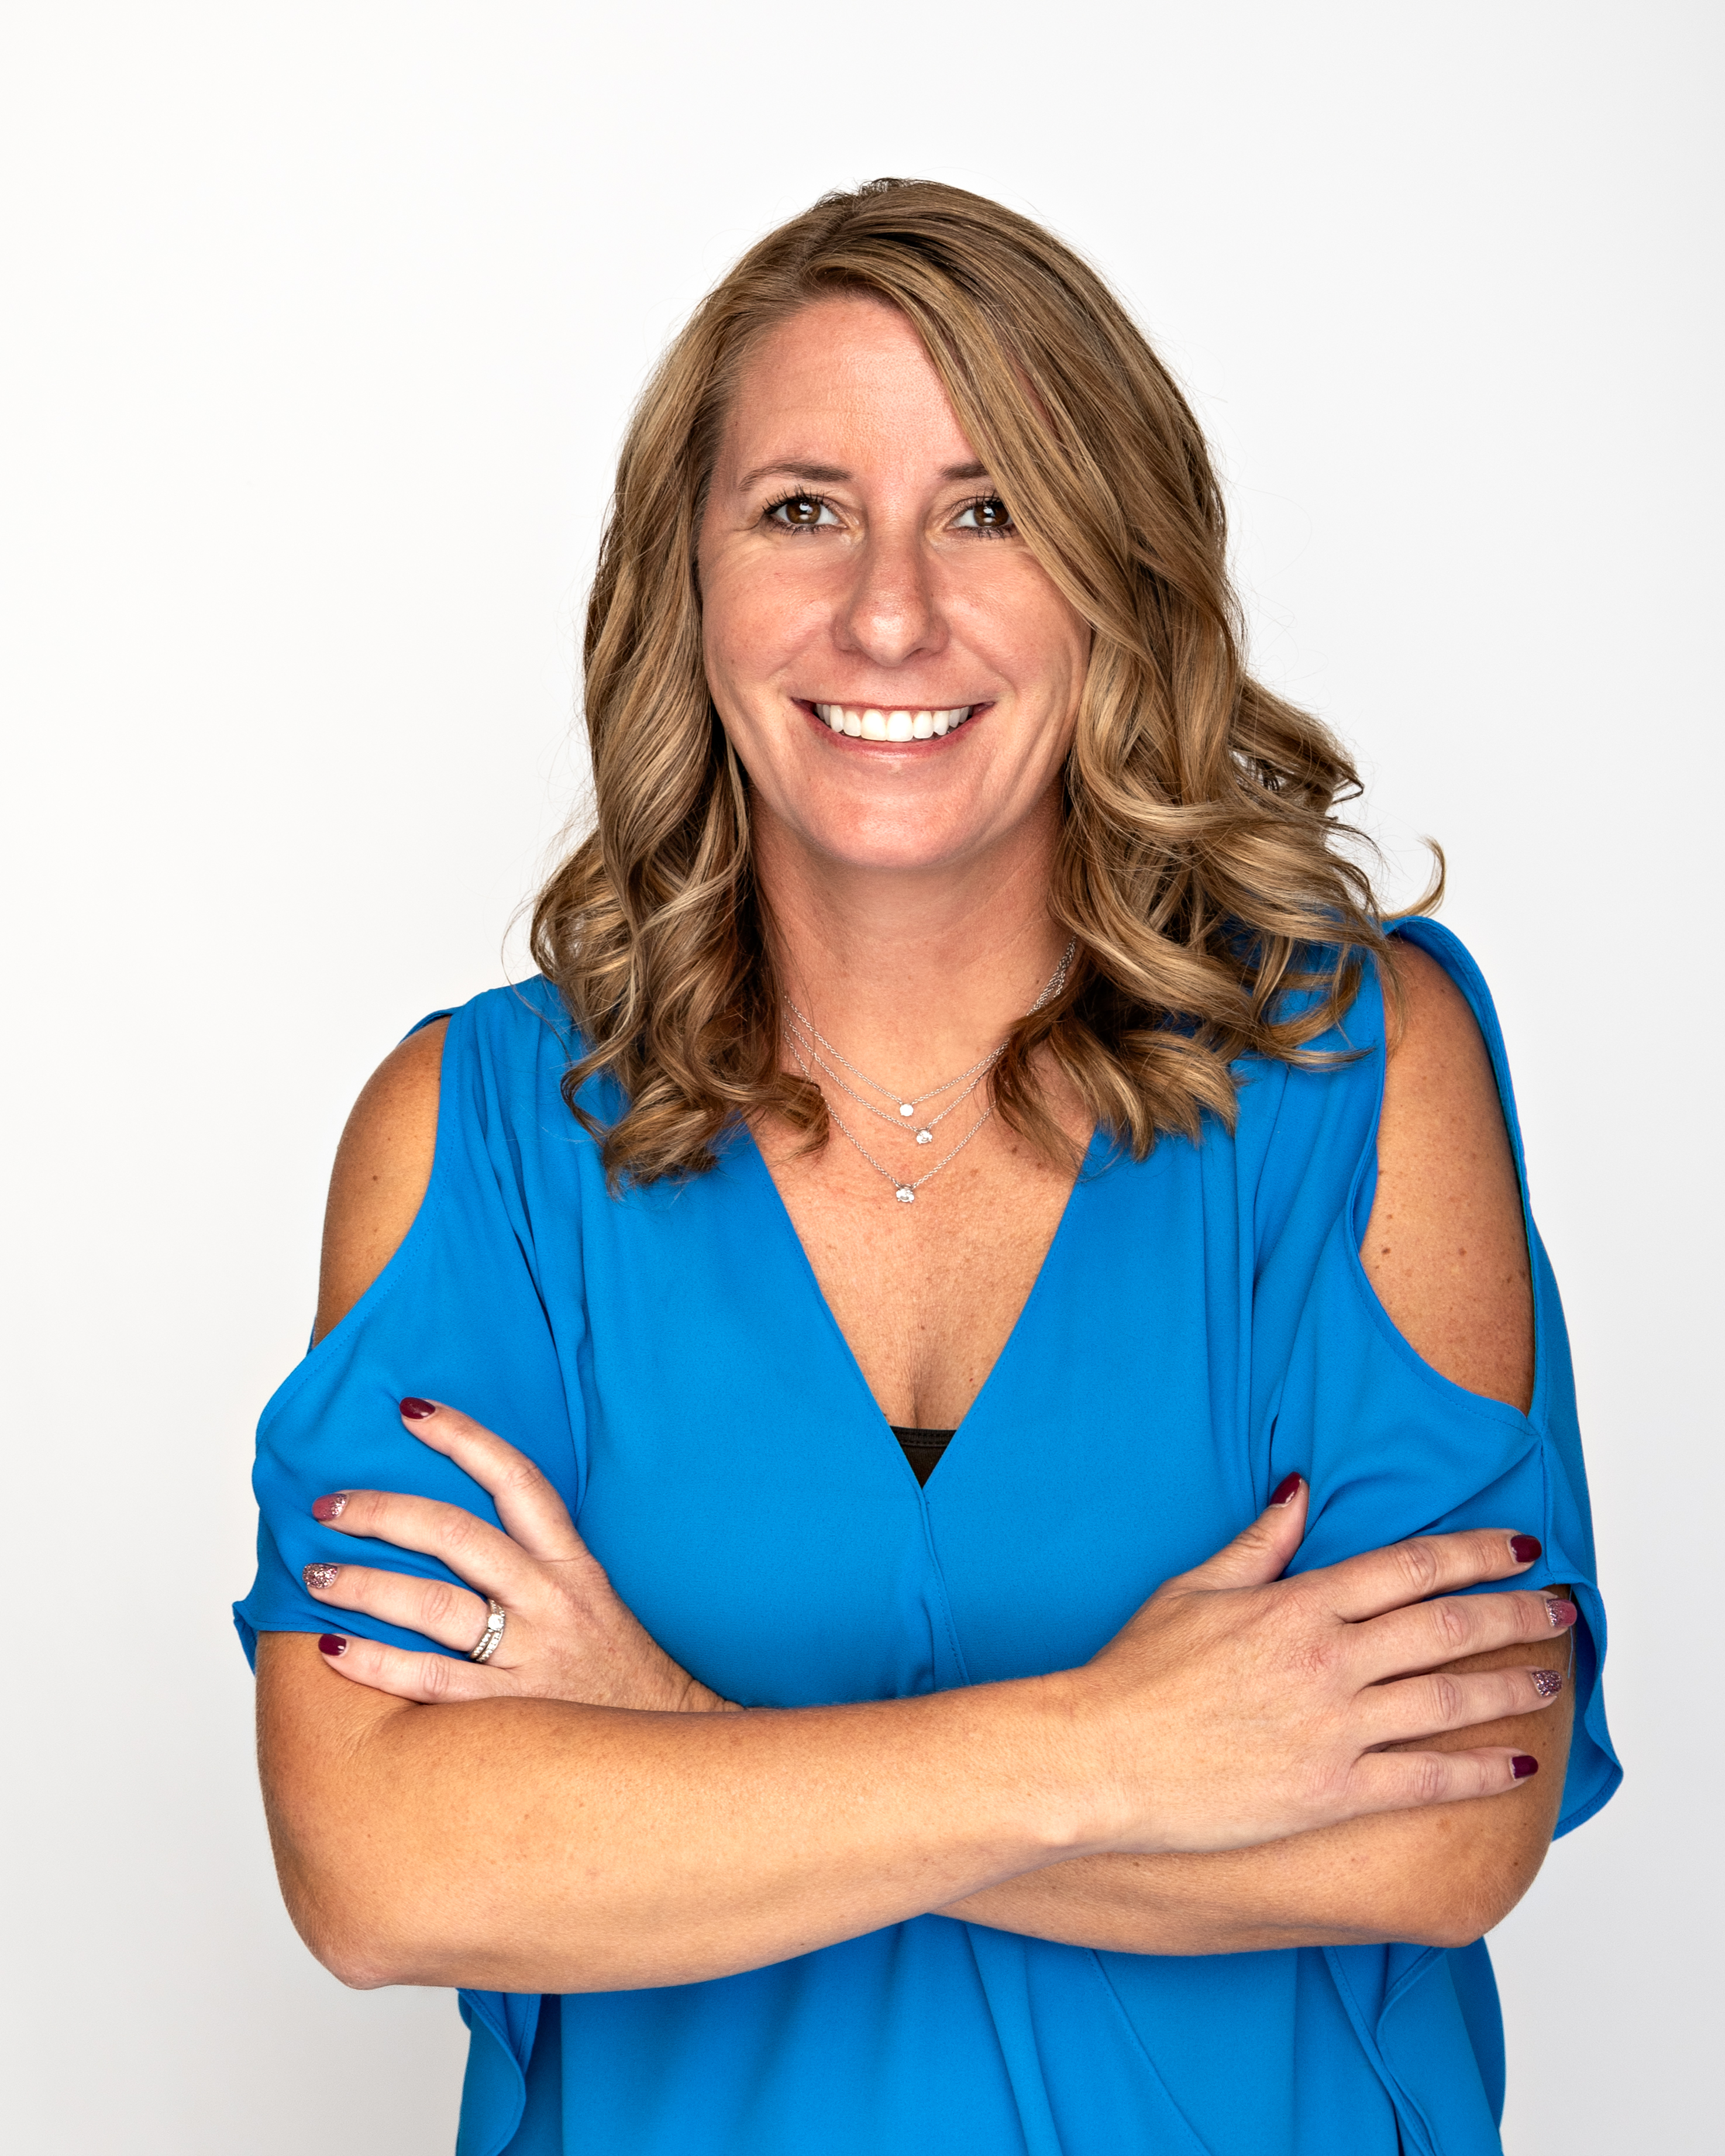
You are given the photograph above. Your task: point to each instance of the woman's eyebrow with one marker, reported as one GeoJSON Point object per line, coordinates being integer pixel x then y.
{"type": "Point", "coordinates": [817, 474]}
{"type": "Point", "coordinates": [833, 475]}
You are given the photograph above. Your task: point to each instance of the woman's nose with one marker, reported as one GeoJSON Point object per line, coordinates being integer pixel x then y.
{"type": "Point", "coordinates": [890, 613]}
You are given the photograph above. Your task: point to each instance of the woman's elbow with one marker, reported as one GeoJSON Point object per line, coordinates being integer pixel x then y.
{"type": "Point", "coordinates": [1460, 1902]}
{"type": "Point", "coordinates": [354, 1939]}
{"type": "Point", "coordinates": [357, 1964]}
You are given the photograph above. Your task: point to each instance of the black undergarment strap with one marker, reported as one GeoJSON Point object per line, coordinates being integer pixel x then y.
{"type": "Point", "coordinates": [923, 1449]}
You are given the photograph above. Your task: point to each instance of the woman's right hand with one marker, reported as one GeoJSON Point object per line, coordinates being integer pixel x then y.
{"type": "Point", "coordinates": [1239, 1707]}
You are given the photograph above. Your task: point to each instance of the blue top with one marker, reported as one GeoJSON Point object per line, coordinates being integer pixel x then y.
{"type": "Point", "coordinates": [1201, 1325]}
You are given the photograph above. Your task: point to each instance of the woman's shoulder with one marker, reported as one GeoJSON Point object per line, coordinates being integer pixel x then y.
{"type": "Point", "coordinates": [381, 1172]}
{"type": "Point", "coordinates": [1446, 1247]}
{"type": "Point", "coordinates": [388, 1147]}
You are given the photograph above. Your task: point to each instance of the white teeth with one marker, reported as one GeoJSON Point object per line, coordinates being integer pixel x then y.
{"type": "Point", "coordinates": [877, 726]}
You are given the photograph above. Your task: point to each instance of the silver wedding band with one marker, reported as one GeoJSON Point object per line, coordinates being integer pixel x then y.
{"type": "Point", "coordinates": [495, 1622]}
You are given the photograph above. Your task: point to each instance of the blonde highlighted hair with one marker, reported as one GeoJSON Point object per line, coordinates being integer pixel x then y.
{"type": "Point", "coordinates": [1198, 866]}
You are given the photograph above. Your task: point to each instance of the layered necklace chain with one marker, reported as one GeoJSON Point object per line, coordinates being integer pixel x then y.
{"type": "Point", "coordinates": [807, 1044]}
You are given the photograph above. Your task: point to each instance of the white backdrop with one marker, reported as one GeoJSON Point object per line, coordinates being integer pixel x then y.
{"type": "Point", "coordinates": [321, 323]}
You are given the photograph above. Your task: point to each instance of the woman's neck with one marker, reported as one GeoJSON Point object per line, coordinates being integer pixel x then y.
{"type": "Point", "coordinates": [911, 973]}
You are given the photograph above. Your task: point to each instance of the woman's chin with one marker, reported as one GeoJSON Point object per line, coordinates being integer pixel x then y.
{"type": "Point", "coordinates": [891, 838]}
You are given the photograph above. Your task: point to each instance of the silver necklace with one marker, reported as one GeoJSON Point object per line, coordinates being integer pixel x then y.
{"type": "Point", "coordinates": [908, 1103]}
{"type": "Point", "coordinates": [905, 1193]}
{"type": "Point", "coordinates": [907, 1106]}
{"type": "Point", "coordinates": [925, 1134]}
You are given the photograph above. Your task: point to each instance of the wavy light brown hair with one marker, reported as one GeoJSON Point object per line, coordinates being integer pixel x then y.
{"type": "Point", "coordinates": [1198, 867]}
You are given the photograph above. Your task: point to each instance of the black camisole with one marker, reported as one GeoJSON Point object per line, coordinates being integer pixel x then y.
{"type": "Point", "coordinates": [923, 1449]}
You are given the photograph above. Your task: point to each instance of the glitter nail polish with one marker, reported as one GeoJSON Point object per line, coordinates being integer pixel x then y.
{"type": "Point", "coordinates": [1548, 1683]}
{"type": "Point", "coordinates": [320, 1575]}
{"type": "Point", "coordinates": [1561, 1614]}
{"type": "Point", "coordinates": [330, 1508]}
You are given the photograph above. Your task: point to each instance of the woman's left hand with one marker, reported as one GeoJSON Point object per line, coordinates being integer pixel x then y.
{"type": "Point", "coordinates": [566, 1635]}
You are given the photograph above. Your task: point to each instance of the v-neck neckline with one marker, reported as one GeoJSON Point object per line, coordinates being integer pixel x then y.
{"type": "Point", "coordinates": [847, 1353]}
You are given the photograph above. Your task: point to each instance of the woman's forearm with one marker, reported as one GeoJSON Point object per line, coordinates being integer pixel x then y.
{"type": "Point", "coordinates": [1438, 1877]}
{"type": "Point", "coordinates": [533, 1845]}
{"type": "Point", "coordinates": [1347, 1886]}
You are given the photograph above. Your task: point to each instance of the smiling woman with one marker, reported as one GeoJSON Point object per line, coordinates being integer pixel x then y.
{"type": "Point", "coordinates": [992, 1671]}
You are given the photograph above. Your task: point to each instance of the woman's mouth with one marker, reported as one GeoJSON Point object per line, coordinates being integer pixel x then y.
{"type": "Point", "coordinates": [865, 722]}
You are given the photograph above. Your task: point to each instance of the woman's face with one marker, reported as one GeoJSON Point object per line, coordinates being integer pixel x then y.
{"type": "Point", "coordinates": [898, 675]}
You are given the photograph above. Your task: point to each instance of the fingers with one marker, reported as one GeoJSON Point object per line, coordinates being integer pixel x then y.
{"type": "Point", "coordinates": [435, 1608]}
{"type": "Point", "coordinates": [1413, 1571]}
{"type": "Point", "coordinates": [426, 1678]}
{"type": "Point", "coordinates": [527, 1503]}
{"type": "Point", "coordinates": [1263, 1551]}
{"type": "Point", "coordinates": [1446, 1630]}
{"type": "Point", "coordinates": [1401, 1781]}
{"type": "Point", "coordinates": [1449, 1699]}
{"type": "Point", "coordinates": [478, 1552]}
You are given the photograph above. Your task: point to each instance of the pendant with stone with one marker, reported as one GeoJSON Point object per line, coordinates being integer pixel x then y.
{"type": "Point", "coordinates": [907, 1107]}
{"type": "Point", "coordinates": [905, 1194]}
{"type": "Point", "coordinates": [925, 1137]}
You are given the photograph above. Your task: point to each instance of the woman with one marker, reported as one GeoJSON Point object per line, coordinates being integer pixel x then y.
{"type": "Point", "coordinates": [1025, 1285]}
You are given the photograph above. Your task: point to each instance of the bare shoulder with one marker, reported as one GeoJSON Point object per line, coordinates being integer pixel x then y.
{"type": "Point", "coordinates": [381, 1172]}
{"type": "Point", "coordinates": [1446, 1250]}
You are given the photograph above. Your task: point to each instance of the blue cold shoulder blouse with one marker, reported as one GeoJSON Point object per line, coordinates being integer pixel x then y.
{"type": "Point", "coordinates": [1202, 1325]}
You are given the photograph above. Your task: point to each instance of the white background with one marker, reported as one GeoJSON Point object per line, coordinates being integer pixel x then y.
{"type": "Point", "coordinates": [320, 326]}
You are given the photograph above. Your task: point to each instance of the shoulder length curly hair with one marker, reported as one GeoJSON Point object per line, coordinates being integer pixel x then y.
{"type": "Point", "coordinates": [1198, 866]}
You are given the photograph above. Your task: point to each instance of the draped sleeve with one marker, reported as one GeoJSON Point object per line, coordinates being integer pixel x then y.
{"type": "Point", "coordinates": [1392, 1449]}
{"type": "Point", "coordinates": [460, 1313]}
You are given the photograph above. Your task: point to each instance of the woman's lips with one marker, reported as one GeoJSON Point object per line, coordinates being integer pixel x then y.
{"type": "Point", "coordinates": [874, 723]}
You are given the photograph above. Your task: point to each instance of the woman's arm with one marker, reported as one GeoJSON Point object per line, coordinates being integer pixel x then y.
{"type": "Point", "coordinates": [534, 1844]}
{"type": "Point", "coordinates": [1441, 1877]}
{"type": "Point", "coordinates": [1446, 1251]}
{"type": "Point", "coordinates": [539, 1844]}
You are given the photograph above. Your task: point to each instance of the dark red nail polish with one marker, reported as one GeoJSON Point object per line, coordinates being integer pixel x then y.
{"type": "Point", "coordinates": [416, 1410]}
{"type": "Point", "coordinates": [1523, 1765]}
{"type": "Point", "coordinates": [320, 1575]}
{"type": "Point", "coordinates": [1524, 1548]}
{"type": "Point", "coordinates": [331, 1644]}
{"type": "Point", "coordinates": [330, 1508]}
{"type": "Point", "coordinates": [1285, 1490]}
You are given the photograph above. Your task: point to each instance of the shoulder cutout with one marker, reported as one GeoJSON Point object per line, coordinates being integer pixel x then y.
{"type": "Point", "coordinates": [1446, 1248]}
{"type": "Point", "coordinates": [381, 1172]}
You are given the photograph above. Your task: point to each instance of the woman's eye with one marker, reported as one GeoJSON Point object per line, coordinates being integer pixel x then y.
{"type": "Point", "coordinates": [990, 515]}
{"type": "Point", "coordinates": [802, 512]}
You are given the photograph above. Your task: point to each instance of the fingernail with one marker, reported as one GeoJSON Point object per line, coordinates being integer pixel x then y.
{"type": "Point", "coordinates": [417, 1410]}
{"type": "Point", "coordinates": [1524, 1548]}
{"type": "Point", "coordinates": [1523, 1765]}
{"type": "Point", "coordinates": [330, 1508]}
{"type": "Point", "coordinates": [1548, 1683]}
{"type": "Point", "coordinates": [331, 1644]}
{"type": "Point", "coordinates": [1285, 1490]}
{"type": "Point", "coordinates": [320, 1575]}
{"type": "Point", "coordinates": [1560, 1613]}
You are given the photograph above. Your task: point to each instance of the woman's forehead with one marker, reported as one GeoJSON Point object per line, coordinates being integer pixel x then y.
{"type": "Point", "coordinates": [848, 367]}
